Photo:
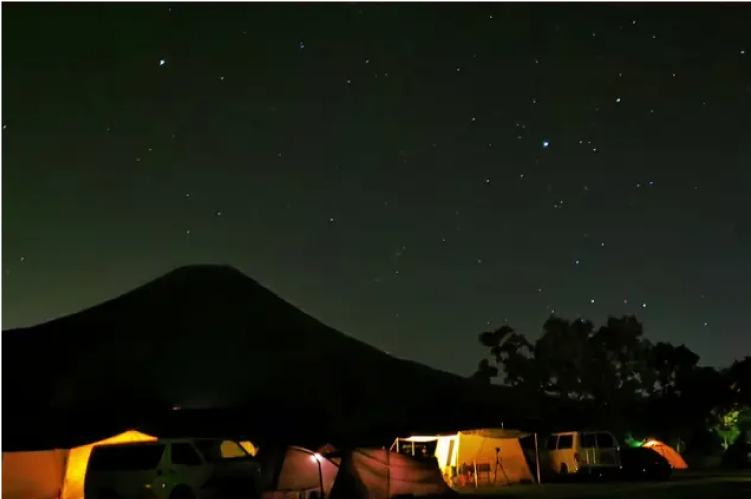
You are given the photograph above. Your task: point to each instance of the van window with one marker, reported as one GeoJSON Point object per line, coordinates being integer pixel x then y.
{"type": "Point", "coordinates": [185, 454]}
{"type": "Point", "coordinates": [565, 441]}
{"type": "Point", "coordinates": [588, 441]}
{"type": "Point", "coordinates": [552, 440]}
{"type": "Point", "coordinates": [220, 450]}
{"type": "Point", "coordinates": [605, 441]}
{"type": "Point", "coordinates": [129, 457]}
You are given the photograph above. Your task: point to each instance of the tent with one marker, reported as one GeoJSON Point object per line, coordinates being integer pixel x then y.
{"type": "Point", "coordinates": [489, 456]}
{"type": "Point", "coordinates": [294, 471]}
{"type": "Point", "coordinates": [56, 473]}
{"type": "Point", "coordinates": [674, 459]}
{"type": "Point", "coordinates": [382, 474]}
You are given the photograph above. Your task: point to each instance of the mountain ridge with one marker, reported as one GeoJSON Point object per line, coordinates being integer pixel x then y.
{"type": "Point", "coordinates": [208, 336]}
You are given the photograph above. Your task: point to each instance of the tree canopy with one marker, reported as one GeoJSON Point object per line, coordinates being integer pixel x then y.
{"type": "Point", "coordinates": [615, 366]}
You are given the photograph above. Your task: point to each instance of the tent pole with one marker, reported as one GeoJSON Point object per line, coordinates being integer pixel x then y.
{"type": "Point", "coordinates": [388, 475]}
{"type": "Point", "coordinates": [474, 463]}
{"type": "Point", "coordinates": [537, 458]}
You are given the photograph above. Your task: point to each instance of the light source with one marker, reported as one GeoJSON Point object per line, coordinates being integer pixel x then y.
{"type": "Point", "coordinates": [318, 458]}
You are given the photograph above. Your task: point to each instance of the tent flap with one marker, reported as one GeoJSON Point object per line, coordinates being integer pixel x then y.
{"type": "Point", "coordinates": [382, 474]}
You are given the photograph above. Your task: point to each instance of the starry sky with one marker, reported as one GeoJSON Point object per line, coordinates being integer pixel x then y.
{"type": "Point", "coordinates": [411, 174]}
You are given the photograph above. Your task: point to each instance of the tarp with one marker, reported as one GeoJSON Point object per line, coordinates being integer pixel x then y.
{"type": "Point", "coordinates": [382, 474]}
{"type": "Point", "coordinates": [56, 473]}
{"type": "Point", "coordinates": [295, 470]}
{"type": "Point", "coordinates": [496, 454]}
{"type": "Point", "coordinates": [671, 455]}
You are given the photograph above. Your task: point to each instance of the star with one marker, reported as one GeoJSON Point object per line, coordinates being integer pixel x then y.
{"type": "Point", "coordinates": [283, 133]}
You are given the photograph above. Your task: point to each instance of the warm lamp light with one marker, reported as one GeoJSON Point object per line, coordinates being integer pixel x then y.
{"type": "Point", "coordinates": [318, 459]}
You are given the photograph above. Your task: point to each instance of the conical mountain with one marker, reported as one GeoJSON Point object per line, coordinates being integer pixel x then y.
{"type": "Point", "coordinates": [211, 337]}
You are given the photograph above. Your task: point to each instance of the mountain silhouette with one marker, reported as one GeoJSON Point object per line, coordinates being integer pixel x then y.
{"type": "Point", "coordinates": [207, 337]}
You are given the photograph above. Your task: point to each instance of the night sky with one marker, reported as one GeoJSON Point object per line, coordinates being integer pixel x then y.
{"type": "Point", "coordinates": [408, 174]}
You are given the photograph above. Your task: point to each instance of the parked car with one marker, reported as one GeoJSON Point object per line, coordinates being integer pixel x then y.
{"type": "Point", "coordinates": [173, 469]}
{"type": "Point", "coordinates": [642, 463]}
{"type": "Point", "coordinates": [583, 452]}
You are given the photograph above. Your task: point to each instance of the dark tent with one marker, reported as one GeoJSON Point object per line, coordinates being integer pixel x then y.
{"type": "Point", "coordinates": [210, 338]}
{"type": "Point", "coordinates": [295, 471]}
{"type": "Point", "coordinates": [381, 474]}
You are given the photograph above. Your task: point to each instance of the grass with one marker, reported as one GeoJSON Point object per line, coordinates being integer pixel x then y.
{"type": "Point", "coordinates": [689, 486]}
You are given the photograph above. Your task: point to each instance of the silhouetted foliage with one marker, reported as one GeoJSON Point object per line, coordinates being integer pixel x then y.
{"type": "Point", "coordinates": [616, 367]}
{"type": "Point", "coordinates": [571, 359]}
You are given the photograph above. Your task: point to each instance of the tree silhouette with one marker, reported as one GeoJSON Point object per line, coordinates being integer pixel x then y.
{"type": "Point", "coordinates": [571, 359]}
{"type": "Point", "coordinates": [624, 374]}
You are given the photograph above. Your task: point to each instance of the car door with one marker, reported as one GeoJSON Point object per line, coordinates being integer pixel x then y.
{"type": "Point", "coordinates": [127, 470]}
{"type": "Point", "coordinates": [187, 466]}
{"type": "Point", "coordinates": [607, 449]}
{"type": "Point", "coordinates": [547, 453]}
{"type": "Point", "coordinates": [588, 450]}
{"type": "Point", "coordinates": [565, 453]}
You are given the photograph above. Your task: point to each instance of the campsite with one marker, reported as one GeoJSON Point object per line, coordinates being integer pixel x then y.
{"type": "Point", "coordinates": [207, 353]}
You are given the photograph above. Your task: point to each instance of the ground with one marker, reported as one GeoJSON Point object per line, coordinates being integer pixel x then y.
{"type": "Point", "coordinates": [688, 486]}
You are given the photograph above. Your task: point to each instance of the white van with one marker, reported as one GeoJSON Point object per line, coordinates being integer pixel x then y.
{"type": "Point", "coordinates": [583, 451]}
{"type": "Point", "coordinates": [172, 469]}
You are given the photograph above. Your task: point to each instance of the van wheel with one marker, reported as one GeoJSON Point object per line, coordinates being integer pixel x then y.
{"type": "Point", "coordinates": [564, 469]}
{"type": "Point", "coordinates": [182, 492]}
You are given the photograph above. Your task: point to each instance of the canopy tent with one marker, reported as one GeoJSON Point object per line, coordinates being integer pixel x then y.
{"type": "Point", "coordinates": [491, 456]}
{"type": "Point", "coordinates": [674, 459]}
{"type": "Point", "coordinates": [382, 474]}
{"type": "Point", "coordinates": [293, 470]}
{"type": "Point", "coordinates": [56, 473]}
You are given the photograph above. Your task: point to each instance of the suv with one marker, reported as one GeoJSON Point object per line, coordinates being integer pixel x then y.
{"type": "Point", "coordinates": [172, 469]}
{"type": "Point", "coordinates": [583, 451]}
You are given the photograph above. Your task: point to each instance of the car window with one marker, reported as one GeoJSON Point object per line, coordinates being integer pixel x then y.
{"type": "Point", "coordinates": [588, 441]}
{"type": "Point", "coordinates": [565, 441]}
{"type": "Point", "coordinates": [605, 441]}
{"type": "Point", "coordinates": [130, 457]}
{"type": "Point", "coordinates": [552, 439]}
{"type": "Point", "coordinates": [220, 450]}
{"type": "Point", "coordinates": [185, 454]}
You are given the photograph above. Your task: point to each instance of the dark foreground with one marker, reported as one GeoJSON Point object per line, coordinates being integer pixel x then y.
{"type": "Point", "coordinates": [681, 487]}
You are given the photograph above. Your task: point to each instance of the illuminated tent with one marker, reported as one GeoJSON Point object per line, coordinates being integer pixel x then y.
{"type": "Point", "coordinates": [382, 474]}
{"type": "Point", "coordinates": [294, 470]}
{"type": "Point", "coordinates": [496, 454]}
{"type": "Point", "coordinates": [249, 447]}
{"type": "Point", "coordinates": [671, 455]}
{"type": "Point", "coordinates": [54, 474]}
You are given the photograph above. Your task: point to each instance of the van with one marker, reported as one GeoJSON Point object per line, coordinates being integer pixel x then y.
{"type": "Point", "coordinates": [574, 452]}
{"type": "Point", "coordinates": [172, 469]}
